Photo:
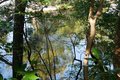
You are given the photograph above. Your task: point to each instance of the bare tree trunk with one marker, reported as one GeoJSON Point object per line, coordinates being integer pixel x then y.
{"type": "Point", "coordinates": [18, 37]}
{"type": "Point", "coordinates": [92, 22]}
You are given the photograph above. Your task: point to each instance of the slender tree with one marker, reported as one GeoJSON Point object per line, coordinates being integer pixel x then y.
{"type": "Point", "coordinates": [92, 21]}
{"type": "Point", "coordinates": [18, 36]}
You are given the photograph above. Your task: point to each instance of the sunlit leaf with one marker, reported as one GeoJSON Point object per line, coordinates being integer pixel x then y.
{"type": "Point", "coordinates": [8, 24]}
{"type": "Point", "coordinates": [96, 52]}
{"type": "Point", "coordinates": [33, 77]}
{"type": "Point", "coordinates": [66, 7]}
{"type": "Point", "coordinates": [28, 73]}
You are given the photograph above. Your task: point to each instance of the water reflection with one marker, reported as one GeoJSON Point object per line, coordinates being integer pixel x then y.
{"type": "Point", "coordinates": [51, 48]}
{"type": "Point", "coordinates": [63, 54]}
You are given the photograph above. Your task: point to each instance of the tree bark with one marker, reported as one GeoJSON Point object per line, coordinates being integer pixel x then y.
{"type": "Point", "coordinates": [117, 46]}
{"type": "Point", "coordinates": [18, 37]}
{"type": "Point", "coordinates": [92, 22]}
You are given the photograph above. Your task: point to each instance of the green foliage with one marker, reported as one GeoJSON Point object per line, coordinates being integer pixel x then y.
{"type": "Point", "coordinates": [96, 52]}
{"type": "Point", "coordinates": [64, 24]}
{"type": "Point", "coordinates": [45, 2]}
{"type": "Point", "coordinates": [101, 70]}
{"type": "Point", "coordinates": [1, 77]}
{"type": "Point", "coordinates": [33, 62]}
{"type": "Point", "coordinates": [28, 75]}
{"type": "Point", "coordinates": [8, 47]}
{"type": "Point", "coordinates": [116, 70]}
{"type": "Point", "coordinates": [5, 26]}
{"type": "Point", "coordinates": [13, 78]}
{"type": "Point", "coordinates": [90, 59]}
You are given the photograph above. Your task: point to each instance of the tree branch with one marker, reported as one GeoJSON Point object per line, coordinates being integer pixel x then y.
{"type": "Point", "coordinates": [3, 1]}
{"type": "Point", "coordinates": [99, 12]}
{"type": "Point", "coordinates": [5, 61]}
{"type": "Point", "coordinates": [91, 9]}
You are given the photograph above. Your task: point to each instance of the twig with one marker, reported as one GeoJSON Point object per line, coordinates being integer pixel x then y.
{"type": "Point", "coordinates": [53, 57]}
{"type": "Point", "coordinates": [48, 52]}
{"type": "Point", "coordinates": [44, 64]}
{"type": "Point", "coordinates": [80, 68]}
{"type": "Point", "coordinates": [73, 43]}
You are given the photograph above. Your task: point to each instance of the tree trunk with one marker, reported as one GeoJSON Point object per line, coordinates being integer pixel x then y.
{"type": "Point", "coordinates": [117, 46]}
{"type": "Point", "coordinates": [92, 22]}
{"type": "Point", "coordinates": [18, 37]}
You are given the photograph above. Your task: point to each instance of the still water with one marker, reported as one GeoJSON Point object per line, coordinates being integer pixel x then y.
{"type": "Point", "coordinates": [62, 75]}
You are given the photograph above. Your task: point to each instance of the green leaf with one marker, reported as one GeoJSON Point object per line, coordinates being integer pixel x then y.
{"type": "Point", "coordinates": [96, 52]}
{"type": "Point", "coordinates": [13, 78]}
{"type": "Point", "coordinates": [15, 13]}
{"type": "Point", "coordinates": [8, 24]}
{"type": "Point", "coordinates": [60, 12]}
{"type": "Point", "coordinates": [90, 59]}
{"type": "Point", "coordinates": [32, 77]}
{"type": "Point", "coordinates": [19, 12]}
{"type": "Point", "coordinates": [1, 77]}
{"type": "Point", "coordinates": [48, 1]}
{"type": "Point", "coordinates": [7, 51]}
{"type": "Point", "coordinates": [112, 77]}
{"type": "Point", "coordinates": [24, 49]}
{"type": "Point", "coordinates": [23, 67]}
{"type": "Point", "coordinates": [100, 75]}
{"type": "Point", "coordinates": [28, 73]}
{"type": "Point", "coordinates": [101, 68]}
{"type": "Point", "coordinates": [33, 62]}
{"type": "Point", "coordinates": [66, 7]}
{"type": "Point", "coordinates": [106, 58]}
{"type": "Point", "coordinates": [24, 0]}
{"type": "Point", "coordinates": [116, 70]}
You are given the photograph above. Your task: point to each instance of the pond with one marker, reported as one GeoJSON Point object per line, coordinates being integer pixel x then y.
{"type": "Point", "coordinates": [63, 74]}
{"type": "Point", "coordinates": [51, 32]}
